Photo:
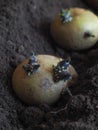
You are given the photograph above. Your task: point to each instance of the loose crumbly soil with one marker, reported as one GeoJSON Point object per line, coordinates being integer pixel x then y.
{"type": "Point", "coordinates": [25, 26]}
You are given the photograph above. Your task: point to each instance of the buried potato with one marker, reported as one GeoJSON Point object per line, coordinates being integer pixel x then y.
{"type": "Point", "coordinates": [42, 78]}
{"type": "Point", "coordinates": [75, 29]}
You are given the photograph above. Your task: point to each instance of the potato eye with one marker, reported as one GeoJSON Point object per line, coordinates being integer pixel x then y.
{"type": "Point", "coordinates": [65, 15]}
{"type": "Point", "coordinates": [61, 72]}
{"type": "Point", "coordinates": [32, 65]}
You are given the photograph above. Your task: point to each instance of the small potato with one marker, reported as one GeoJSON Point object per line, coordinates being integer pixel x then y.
{"type": "Point", "coordinates": [40, 87]}
{"type": "Point", "coordinates": [75, 29]}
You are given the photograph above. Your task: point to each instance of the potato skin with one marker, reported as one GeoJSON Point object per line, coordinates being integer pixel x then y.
{"type": "Point", "coordinates": [40, 87]}
{"type": "Point", "coordinates": [92, 3]}
{"type": "Point", "coordinates": [71, 35]}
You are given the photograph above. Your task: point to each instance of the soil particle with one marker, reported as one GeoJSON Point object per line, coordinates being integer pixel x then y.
{"type": "Point", "coordinates": [31, 116]}
{"type": "Point", "coordinates": [78, 107]}
{"type": "Point", "coordinates": [4, 121]}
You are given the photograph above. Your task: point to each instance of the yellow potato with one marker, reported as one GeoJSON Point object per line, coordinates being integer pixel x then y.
{"type": "Point", "coordinates": [40, 87]}
{"type": "Point", "coordinates": [75, 29]}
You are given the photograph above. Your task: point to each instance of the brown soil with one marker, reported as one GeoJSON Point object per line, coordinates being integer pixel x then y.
{"type": "Point", "coordinates": [24, 26]}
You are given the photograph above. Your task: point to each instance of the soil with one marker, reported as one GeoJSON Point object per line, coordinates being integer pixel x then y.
{"type": "Point", "coordinates": [25, 26]}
